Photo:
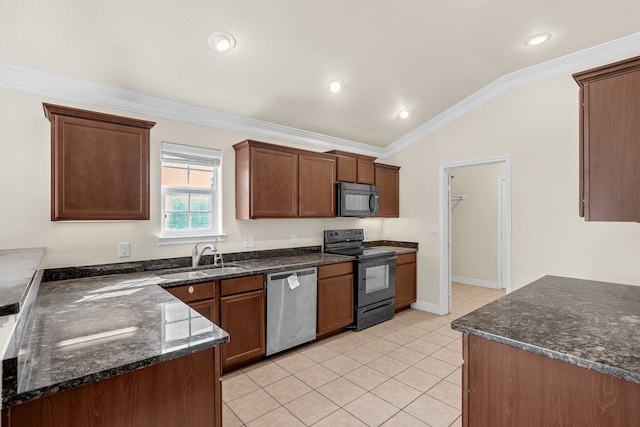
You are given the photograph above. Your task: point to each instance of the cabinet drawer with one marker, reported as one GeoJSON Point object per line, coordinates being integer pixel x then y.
{"type": "Point", "coordinates": [197, 292]}
{"type": "Point", "coordinates": [333, 270]}
{"type": "Point", "coordinates": [406, 258]}
{"type": "Point", "coordinates": [241, 284]}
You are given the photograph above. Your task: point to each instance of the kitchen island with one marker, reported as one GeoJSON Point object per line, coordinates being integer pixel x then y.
{"type": "Point", "coordinates": [557, 352]}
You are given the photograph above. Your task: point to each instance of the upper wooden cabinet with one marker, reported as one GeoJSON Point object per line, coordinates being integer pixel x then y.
{"type": "Point", "coordinates": [317, 192]}
{"type": "Point", "coordinates": [273, 181]}
{"type": "Point", "coordinates": [387, 178]}
{"type": "Point", "coordinates": [99, 165]}
{"type": "Point", "coordinates": [610, 142]}
{"type": "Point", "coordinates": [354, 167]}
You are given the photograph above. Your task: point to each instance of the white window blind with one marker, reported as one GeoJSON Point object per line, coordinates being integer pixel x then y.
{"type": "Point", "coordinates": [191, 192]}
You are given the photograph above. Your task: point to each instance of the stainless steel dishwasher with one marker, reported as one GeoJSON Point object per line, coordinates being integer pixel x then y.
{"type": "Point", "coordinates": [292, 298]}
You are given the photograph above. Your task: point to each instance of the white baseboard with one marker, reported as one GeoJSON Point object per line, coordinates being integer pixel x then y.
{"type": "Point", "coordinates": [427, 306]}
{"type": "Point", "coordinates": [475, 282]}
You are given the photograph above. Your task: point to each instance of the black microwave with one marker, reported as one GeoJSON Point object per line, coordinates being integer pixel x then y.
{"type": "Point", "coordinates": [358, 200]}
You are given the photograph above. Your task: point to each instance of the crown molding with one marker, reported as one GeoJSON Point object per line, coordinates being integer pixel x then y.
{"type": "Point", "coordinates": [61, 87]}
{"type": "Point", "coordinates": [616, 50]}
{"type": "Point", "coordinates": [55, 86]}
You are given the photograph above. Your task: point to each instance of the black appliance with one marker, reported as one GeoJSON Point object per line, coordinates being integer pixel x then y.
{"type": "Point", "coordinates": [375, 276]}
{"type": "Point", "coordinates": [357, 200]}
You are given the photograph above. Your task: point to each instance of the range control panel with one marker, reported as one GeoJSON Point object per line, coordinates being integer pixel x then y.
{"type": "Point", "coordinates": [345, 235]}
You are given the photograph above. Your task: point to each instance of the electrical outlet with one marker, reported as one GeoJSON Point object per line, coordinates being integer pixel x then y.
{"type": "Point", "coordinates": [387, 234]}
{"type": "Point", "coordinates": [294, 238]}
{"type": "Point", "coordinates": [366, 234]}
{"type": "Point", "coordinates": [123, 249]}
{"type": "Point", "coordinates": [433, 228]}
{"type": "Point", "coordinates": [249, 241]}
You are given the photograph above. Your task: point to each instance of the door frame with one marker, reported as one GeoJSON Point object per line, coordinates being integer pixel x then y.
{"type": "Point", "coordinates": [445, 228]}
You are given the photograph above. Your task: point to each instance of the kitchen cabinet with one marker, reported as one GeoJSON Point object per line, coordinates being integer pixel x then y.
{"type": "Point", "coordinates": [335, 298]}
{"type": "Point", "coordinates": [504, 386]}
{"type": "Point", "coordinates": [317, 198]}
{"type": "Point", "coordinates": [274, 181]}
{"type": "Point", "coordinates": [609, 148]}
{"type": "Point", "coordinates": [387, 178]}
{"type": "Point", "coordinates": [99, 165]}
{"type": "Point", "coordinates": [242, 315]}
{"type": "Point", "coordinates": [353, 167]}
{"type": "Point", "coordinates": [201, 298]}
{"type": "Point", "coordinates": [406, 269]}
{"type": "Point", "coordinates": [180, 392]}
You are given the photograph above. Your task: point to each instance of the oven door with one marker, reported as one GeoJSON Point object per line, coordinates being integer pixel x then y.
{"type": "Point", "coordinates": [376, 280]}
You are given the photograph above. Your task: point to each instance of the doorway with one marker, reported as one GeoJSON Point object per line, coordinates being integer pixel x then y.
{"type": "Point", "coordinates": [503, 256]}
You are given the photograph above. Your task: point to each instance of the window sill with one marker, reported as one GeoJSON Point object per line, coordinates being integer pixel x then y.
{"type": "Point", "coordinates": [181, 240]}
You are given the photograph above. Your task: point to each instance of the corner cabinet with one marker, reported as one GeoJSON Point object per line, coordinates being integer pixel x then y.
{"type": "Point", "coordinates": [387, 178]}
{"type": "Point", "coordinates": [273, 181]}
{"type": "Point", "coordinates": [335, 298]}
{"type": "Point", "coordinates": [610, 142]}
{"type": "Point", "coordinates": [99, 165]}
{"type": "Point", "coordinates": [406, 274]}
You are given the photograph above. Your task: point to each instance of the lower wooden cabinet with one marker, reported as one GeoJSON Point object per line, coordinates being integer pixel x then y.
{"type": "Point", "coordinates": [335, 298]}
{"type": "Point", "coordinates": [178, 392]}
{"type": "Point", "coordinates": [504, 386]}
{"type": "Point", "coordinates": [201, 298]}
{"type": "Point", "coordinates": [242, 315]}
{"type": "Point", "coordinates": [406, 270]}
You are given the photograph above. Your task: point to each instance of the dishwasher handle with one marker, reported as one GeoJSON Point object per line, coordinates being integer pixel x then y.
{"type": "Point", "coordinates": [299, 273]}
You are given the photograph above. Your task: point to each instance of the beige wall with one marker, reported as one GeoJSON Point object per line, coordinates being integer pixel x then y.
{"type": "Point", "coordinates": [25, 188]}
{"type": "Point", "coordinates": [474, 222]}
{"type": "Point", "coordinates": [537, 125]}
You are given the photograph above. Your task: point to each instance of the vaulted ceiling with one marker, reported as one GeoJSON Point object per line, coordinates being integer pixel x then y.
{"type": "Point", "coordinates": [423, 56]}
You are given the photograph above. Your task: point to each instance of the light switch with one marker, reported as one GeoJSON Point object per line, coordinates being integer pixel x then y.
{"type": "Point", "coordinates": [249, 241]}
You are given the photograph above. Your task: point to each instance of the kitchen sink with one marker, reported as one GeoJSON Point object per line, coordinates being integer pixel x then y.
{"type": "Point", "coordinates": [199, 274]}
{"type": "Point", "coordinates": [223, 270]}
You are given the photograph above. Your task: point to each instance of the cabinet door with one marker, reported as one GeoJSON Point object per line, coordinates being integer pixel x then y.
{"type": "Point", "coordinates": [274, 183]}
{"type": "Point", "coordinates": [206, 308]}
{"type": "Point", "coordinates": [612, 169]}
{"type": "Point", "coordinates": [242, 316]}
{"type": "Point", "coordinates": [317, 192]}
{"type": "Point", "coordinates": [346, 169]}
{"type": "Point", "coordinates": [99, 165]}
{"type": "Point", "coordinates": [405, 281]}
{"type": "Point", "coordinates": [388, 181]}
{"type": "Point", "coordinates": [335, 304]}
{"type": "Point", "coordinates": [365, 171]}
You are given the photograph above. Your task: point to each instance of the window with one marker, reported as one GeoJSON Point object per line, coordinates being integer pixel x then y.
{"type": "Point", "coordinates": [190, 191]}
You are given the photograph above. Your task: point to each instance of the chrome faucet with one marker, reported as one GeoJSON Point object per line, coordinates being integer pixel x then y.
{"type": "Point", "coordinates": [195, 255]}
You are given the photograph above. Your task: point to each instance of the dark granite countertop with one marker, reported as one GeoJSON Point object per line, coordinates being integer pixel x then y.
{"type": "Point", "coordinates": [18, 267]}
{"type": "Point", "coordinates": [397, 249]}
{"type": "Point", "coordinates": [86, 329]}
{"type": "Point", "coordinates": [595, 325]}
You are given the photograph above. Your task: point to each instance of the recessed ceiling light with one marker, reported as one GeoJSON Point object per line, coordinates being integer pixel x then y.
{"type": "Point", "coordinates": [221, 41]}
{"type": "Point", "coordinates": [537, 39]}
{"type": "Point", "coordinates": [403, 114]}
{"type": "Point", "coordinates": [335, 86]}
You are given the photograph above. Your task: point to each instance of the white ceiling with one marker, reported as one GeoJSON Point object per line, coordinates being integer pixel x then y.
{"type": "Point", "coordinates": [422, 55]}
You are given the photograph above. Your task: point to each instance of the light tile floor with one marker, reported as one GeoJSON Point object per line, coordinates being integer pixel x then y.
{"type": "Point", "coordinates": [403, 372]}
